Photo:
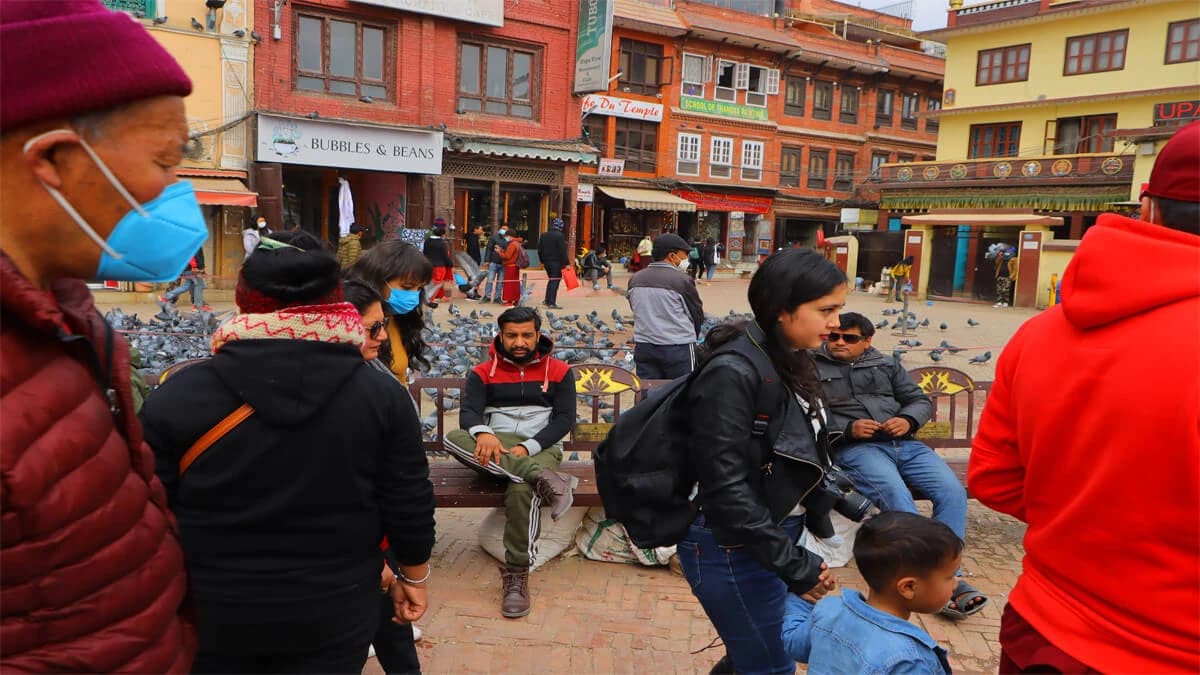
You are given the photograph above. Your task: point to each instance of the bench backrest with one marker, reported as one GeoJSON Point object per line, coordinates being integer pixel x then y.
{"type": "Point", "coordinates": [957, 403]}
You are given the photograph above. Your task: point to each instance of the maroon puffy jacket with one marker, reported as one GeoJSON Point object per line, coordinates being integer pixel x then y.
{"type": "Point", "coordinates": [91, 568]}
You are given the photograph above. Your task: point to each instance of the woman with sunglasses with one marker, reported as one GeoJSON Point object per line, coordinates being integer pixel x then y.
{"type": "Point", "coordinates": [394, 642]}
{"type": "Point", "coordinates": [399, 272]}
{"type": "Point", "coordinates": [757, 470]}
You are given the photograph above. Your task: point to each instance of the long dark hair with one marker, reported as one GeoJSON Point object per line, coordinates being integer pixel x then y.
{"type": "Point", "coordinates": [395, 259]}
{"type": "Point", "coordinates": [782, 283]}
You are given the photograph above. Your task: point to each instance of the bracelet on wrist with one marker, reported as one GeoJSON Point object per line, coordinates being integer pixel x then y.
{"type": "Point", "coordinates": [416, 582]}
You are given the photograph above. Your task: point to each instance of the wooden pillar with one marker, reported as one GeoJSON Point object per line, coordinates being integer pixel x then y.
{"type": "Point", "coordinates": [1028, 261]}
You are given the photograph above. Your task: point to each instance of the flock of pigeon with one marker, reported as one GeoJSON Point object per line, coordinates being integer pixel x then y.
{"type": "Point", "coordinates": [908, 321]}
{"type": "Point", "coordinates": [168, 337]}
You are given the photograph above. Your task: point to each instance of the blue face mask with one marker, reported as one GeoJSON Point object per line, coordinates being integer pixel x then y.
{"type": "Point", "coordinates": [403, 302]}
{"type": "Point", "coordinates": [153, 241]}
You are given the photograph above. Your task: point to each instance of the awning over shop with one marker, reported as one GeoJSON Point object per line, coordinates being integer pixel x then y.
{"type": "Point", "coordinates": [981, 218]}
{"type": "Point", "coordinates": [223, 192]}
{"type": "Point", "coordinates": [1068, 199]}
{"type": "Point", "coordinates": [574, 153]}
{"type": "Point", "coordinates": [648, 200]}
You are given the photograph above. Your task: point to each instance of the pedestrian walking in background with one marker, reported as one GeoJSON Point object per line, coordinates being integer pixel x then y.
{"type": "Point", "coordinates": [192, 280]}
{"type": "Point", "coordinates": [400, 273]}
{"type": "Point", "coordinates": [495, 264]}
{"type": "Point", "coordinates": [252, 234]}
{"type": "Point", "coordinates": [510, 257]}
{"type": "Point", "coordinates": [475, 242]}
{"type": "Point", "coordinates": [350, 246]}
{"type": "Point", "coordinates": [92, 124]}
{"type": "Point", "coordinates": [711, 253]}
{"type": "Point", "coordinates": [282, 516]}
{"type": "Point", "coordinates": [667, 312]}
{"type": "Point", "coordinates": [438, 253]}
{"type": "Point", "coordinates": [552, 250]}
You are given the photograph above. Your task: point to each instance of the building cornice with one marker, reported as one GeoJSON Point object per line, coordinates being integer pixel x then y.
{"type": "Point", "coordinates": [1050, 102]}
{"type": "Point", "coordinates": [942, 34]}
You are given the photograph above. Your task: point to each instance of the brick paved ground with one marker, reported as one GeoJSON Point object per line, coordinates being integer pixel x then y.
{"type": "Point", "coordinates": [592, 617]}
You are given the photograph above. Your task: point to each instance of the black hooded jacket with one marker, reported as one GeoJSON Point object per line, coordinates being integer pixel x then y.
{"type": "Point", "coordinates": [286, 512]}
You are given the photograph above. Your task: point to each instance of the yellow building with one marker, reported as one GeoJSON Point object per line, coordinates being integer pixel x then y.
{"type": "Point", "coordinates": [216, 53]}
{"type": "Point", "coordinates": [1053, 112]}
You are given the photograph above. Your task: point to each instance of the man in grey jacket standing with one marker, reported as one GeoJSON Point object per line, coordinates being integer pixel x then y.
{"type": "Point", "coordinates": [667, 312]}
{"type": "Point", "coordinates": [877, 408]}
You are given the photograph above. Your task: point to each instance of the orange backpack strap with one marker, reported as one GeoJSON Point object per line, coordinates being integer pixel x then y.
{"type": "Point", "coordinates": [213, 435]}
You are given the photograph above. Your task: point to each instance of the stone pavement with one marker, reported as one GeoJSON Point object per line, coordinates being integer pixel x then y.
{"type": "Point", "coordinates": [592, 617]}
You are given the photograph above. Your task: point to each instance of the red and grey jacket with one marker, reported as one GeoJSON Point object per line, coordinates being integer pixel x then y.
{"type": "Point", "coordinates": [535, 399]}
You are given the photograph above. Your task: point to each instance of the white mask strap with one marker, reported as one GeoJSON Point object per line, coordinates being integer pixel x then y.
{"type": "Point", "coordinates": [112, 179]}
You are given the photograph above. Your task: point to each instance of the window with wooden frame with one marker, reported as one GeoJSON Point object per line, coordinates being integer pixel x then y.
{"type": "Point", "coordinates": [818, 169]}
{"type": "Point", "coordinates": [697, 71]}
{"type": "Point", "coordinates": [499, 78]}
{"type": "Point", "coordinates": [905, 159]}
{"type": "Point", "coordinates": [909, 103]}
{"type": "Point", "coordinates": [597, 131]}
{"type": "Point", "coordinates": [843, 172]}
{"type": "Point", "coordinates": [343, 55]}
{"type": "Point", "coordinates": [752, 160]}
{"type": "Point", "coordinates": [878, 159]}
{"type": "Point", "coordinates": [641, 67]}
{"type": "Point", "coordinates": [720, 157]}
{"type": "Point", "coordinates": [789, 167]}
{"type": "Point", "coordinates": [637, 144]}
{"type": "Point", "coordinates": [848, 114]}
{"type": "Point", "coordinates": [1183, 41]}
{"type": "Point", "coordinates": [1090, 133]}
{"type": "Point", "coordinates": [932, 123]}
{"type": "Point", "coordinates": [885, 105]}
{"type": "Point", "coordinates": [725, 81]}
{"type": "Point", "coordinates": [760, 83]}
{"type": "Point", "coordinates": [793, 96]}
{"type": "Point", "coordinates": [1096, 53]}
{"type": "Point", "coordinates": [687, 155]}
{"type": "Point", "coordinates": [995, 140]}
{"type": "Point", "coordinates": [1006, 64]}
{"type": "Point", "coordinates": [822, 100]}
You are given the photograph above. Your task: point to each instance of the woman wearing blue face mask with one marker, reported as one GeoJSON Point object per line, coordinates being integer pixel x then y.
{"type": "Point", "coordinates": [400, 271]}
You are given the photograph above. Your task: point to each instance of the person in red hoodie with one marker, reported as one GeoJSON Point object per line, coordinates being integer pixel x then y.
{"type": "Point", "coordinates": [1091, 437]}
{"type": "Point", "coordinates": [92, 124]}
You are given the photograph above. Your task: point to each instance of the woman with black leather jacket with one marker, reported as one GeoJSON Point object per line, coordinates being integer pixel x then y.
{"type": "Point", "coordinates": [740, 554]}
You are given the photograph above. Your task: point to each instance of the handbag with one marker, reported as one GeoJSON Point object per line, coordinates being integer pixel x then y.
{"type": "Point", "coordinates": [213, 435]}
{"type": "Point", "coordinates": [570, 279]}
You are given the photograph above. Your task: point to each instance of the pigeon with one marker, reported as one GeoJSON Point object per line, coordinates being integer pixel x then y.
{"type": "Point", "coordinates": [474, 315]}
{"type": "Point", "coordinates": [159, 20]}
{"type": "Point", "coordinates": [898, 354]}
{"type": "Point", "coordinates": [972, 322]}
{"type": "Point", "coordinates": [486, 315]}
{"type": "Point", "coordinates": [943, 325]}
{"type": "Point", "coordinates": [882, 324]}
{"type": "Point", "coordinates": [924, 324]}
{"type": "Point", "coordinates": [196, 24]}
{"type": "Point", "coordinates": [239, 33]}
{"type": "Point", "coordinates": [935, 356]}
{"type": "Point", "coordinates": [256, 36]}
{"type": "Point", "coordinates": [911, 343]}
{"type": "Point", "coordinates": [886, 312]}
{"type": "Point", "coordinates": [455, 311]}
{"type": "Point", "coordinates": [616, 315]}
{"type": "Point", "coordinates": [982, 358]}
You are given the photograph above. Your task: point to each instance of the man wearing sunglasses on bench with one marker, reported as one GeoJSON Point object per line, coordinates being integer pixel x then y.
{"type": "Point", "coordinates": [878, 408]}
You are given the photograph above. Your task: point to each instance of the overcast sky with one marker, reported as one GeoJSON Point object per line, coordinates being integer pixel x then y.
{"type": "Point", "coordinates": [927, 14]}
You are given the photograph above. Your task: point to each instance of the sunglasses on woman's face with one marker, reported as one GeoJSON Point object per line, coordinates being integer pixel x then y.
{"type": "Point", "coordinates": [374, 329]}
{"type": "Point", "coordinates": [848, 338]}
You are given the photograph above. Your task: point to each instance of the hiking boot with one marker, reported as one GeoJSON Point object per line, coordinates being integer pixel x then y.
{"type": "Point", "coordinates": [554, 487]}
{"type": "Point", "coordinates": [515, 584]}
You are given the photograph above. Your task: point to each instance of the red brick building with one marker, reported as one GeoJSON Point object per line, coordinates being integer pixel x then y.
{"type": "Point", "coordinates": [767, 124]}
{"type": "Point", "coordinates": [463, 115]}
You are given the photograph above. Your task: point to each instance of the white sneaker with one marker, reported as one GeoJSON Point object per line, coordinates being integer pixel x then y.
{"type": "Point", "coordinates": [416, 633]}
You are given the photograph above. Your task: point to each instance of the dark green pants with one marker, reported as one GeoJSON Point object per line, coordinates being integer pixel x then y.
{"type": "Point", "coordinates": [522, 508]}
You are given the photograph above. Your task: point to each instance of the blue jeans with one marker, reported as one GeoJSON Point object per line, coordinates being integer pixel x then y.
{"type": "Point", "coordinates": [495, 272]}
{"type": "Point", "coordinates": [195, 284]}
{"type": "Point", "coordinates": [709, 270]}
{"type": "Point", "coordinates": [743, 599]}
{"type": "Point", "coordinates": [883, 470]}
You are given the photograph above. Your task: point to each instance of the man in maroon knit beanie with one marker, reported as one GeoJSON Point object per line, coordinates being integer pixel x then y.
{"type": "Point", "coordinates": [91, 127]}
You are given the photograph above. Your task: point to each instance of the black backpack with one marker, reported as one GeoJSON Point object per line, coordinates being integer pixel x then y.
{"type": "Point", "coordinates": [642, 465]}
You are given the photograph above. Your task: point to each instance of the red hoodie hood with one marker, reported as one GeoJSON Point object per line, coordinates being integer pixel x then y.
{"type": "Point", "coordinates": [1124, 267]}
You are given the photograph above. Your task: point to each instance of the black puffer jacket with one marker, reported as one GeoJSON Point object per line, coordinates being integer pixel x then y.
{"type": "Point", "coordinates": [286, 512]}
{"type": "Point", "coordinates": [746, 491]}
{"type": "Point", "coordinates": [873, 387]}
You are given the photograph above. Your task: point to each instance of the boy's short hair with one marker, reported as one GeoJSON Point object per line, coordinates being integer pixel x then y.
{"type": "Point", "coordinates": [895, 544]}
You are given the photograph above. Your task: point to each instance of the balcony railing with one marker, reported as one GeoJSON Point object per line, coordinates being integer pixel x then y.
{"type": "Point", "coordinates": [1079, 169]}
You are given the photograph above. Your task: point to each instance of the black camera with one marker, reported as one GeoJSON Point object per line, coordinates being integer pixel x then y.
{"type": "Point", "coordinates": [835, 492]}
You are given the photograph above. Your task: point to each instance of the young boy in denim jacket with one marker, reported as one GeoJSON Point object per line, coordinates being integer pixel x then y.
{"type": "Point", "coordinates": [910, 564]}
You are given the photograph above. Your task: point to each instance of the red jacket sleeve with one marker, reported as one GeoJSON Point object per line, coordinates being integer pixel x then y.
{"type": "Point", "coordinates": [996, 470]}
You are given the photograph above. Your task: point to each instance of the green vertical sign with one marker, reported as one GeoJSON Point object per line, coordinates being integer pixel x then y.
{"type": "Point", "coordinates": [593, 45]}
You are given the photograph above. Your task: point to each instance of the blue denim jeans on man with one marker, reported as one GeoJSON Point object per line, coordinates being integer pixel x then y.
{"type": "Point", "coordinates": [495, 272]}
{"type": "Point", "coordinates": [743, 599]}
{"type": "Point", "coordinates": [884, 470]}
{"type": "Point", "coordinates": [188, 282]}
{"type": "Point", "coordinates": [843, 634]}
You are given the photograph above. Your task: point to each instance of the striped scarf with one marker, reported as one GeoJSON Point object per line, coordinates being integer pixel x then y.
{"type": "Point", "coordinates": [337, 323]}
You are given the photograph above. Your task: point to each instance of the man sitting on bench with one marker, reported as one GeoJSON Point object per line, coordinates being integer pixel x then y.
{"type": "Point", "coordinates": [878, 408]}
{"type": "Point", "coordinates": [516, 409]}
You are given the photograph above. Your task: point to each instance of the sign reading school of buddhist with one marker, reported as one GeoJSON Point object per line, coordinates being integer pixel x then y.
{"type": "Point", "coordinates": [703, 105]}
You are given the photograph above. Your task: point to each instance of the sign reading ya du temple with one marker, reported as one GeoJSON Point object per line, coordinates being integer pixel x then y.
{"type": "Point", "coordinates": [741, 112]}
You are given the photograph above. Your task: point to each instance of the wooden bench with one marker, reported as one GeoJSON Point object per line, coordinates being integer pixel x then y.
{"type": "Point", "coordinates": [957, 401]}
